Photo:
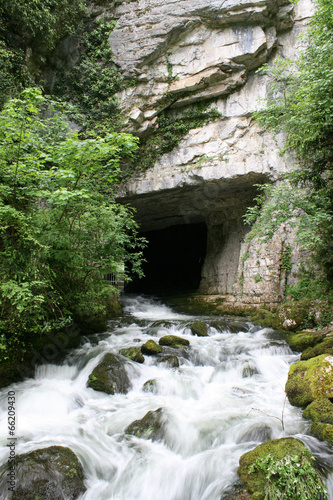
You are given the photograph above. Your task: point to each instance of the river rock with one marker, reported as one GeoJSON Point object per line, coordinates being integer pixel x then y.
{"type": "Point", "coordinates": [151, 426]}
{"type": "Point", "coordinates": [257, 432]}
{"type": "Point", "coordinates": [256, 482]}
{"type": "Point", "coordinates": [150, 347]}
{"type": "Point", "coordinates": [53, 473]}
{"type": "Point", "coordinates": [199, 328]}
{"type": "Point", "coordinates": [170, 360]}
{"type": "Point", "coordinates": [320, 410]}
{"type": "Point", "coordinates": [309, 380]}
{"type": "Point", "coordinates": [173, 341]}
{"type": "Point", "coordinates": [303, 340]}
{"type": "Point", "coordinates": [110, 376]}
{"type": "Point", "coordinates": [324, 432]}
{"type": "Point", "coordinates": [150, 385]}
{"type": "Point", "coordinates": [133, 353]}
{"type": "Point", "coordinates": [323, 347]}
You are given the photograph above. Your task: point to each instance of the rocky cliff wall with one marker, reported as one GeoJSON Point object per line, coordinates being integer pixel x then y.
{"type": "Point", "coordinates": [185, 52]}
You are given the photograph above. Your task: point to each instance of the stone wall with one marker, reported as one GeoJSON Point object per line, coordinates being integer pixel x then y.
{"type": "Point", "coordinates": [183, 52]}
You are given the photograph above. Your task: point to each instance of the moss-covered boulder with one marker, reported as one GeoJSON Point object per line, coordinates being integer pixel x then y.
{"type": "Point", "coordinates": [151, 426]}
{"type": "Point", "coordinates": [110, 376]}
{"type": "Point", "coordinates": [199, 328]}
{"type": "Point", "coordinates": [255, 482]}
{"type": "Point", "coordinates": [302, 340]}
{"type": "Point", "coordinates": [52, 473]}
{"type": "Point", "coordinates": [133, 353]}
{"type": "Point", "coordinates": [320, 410]}
{"type": "Point", "coordinates": [323, 347]}
{"type": "Point", "coordinates": [151, 348]}
{"type": "Point", "coordinates": [173, 341]}
{"type": "Point", "coordinates": [324, 432]}
{"type": "Point", "coordinates": [309, 380]}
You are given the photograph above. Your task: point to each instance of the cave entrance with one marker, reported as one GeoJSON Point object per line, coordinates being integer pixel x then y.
{"type": "Point", "coordinates": [174, 258]}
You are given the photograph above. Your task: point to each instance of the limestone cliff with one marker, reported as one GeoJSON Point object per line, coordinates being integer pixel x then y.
{"type": "Point", "coordinates": [182, 52]}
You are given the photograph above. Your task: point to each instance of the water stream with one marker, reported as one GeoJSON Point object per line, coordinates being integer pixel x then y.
{"type": "Point", "coordinates": [226, 397]}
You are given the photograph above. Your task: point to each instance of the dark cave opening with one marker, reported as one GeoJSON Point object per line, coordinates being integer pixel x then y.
{"type": "Point", "coordinates": [174, 258]}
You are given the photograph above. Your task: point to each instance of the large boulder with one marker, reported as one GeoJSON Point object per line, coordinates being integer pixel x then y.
{"type": "Point", "coordinates": [303, 340]}
{"type": "Point", "coordinates": [151, 348]}
{"type": "Point", "coordinates": [199, 328]}
{"type": "Point", "coordinates": [151, 426]}
{"type": "Point", "coordinates": [133, 353]}
{"type": "Point", "coordinates": [173, 341]}
{"type": "Point", "coordinates": [53, 473]}
{"type": "Point", "coordinates": [324, 432]}
{"type": "Point", "coordinates": [255, 482]}
{"type": "Point", "coordinates": [309, 380]}
{"type": "Point", "coordinates": [110, 375]}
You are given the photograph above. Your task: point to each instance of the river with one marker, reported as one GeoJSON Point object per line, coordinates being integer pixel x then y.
{"type": "Point", "coordinates": [225, 398]}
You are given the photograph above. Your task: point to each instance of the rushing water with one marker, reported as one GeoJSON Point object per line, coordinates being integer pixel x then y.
{"type": "Point", "coordinates": [226, 397]}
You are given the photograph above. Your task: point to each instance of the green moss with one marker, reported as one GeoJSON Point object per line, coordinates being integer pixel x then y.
{"type": "Point", "coordinates": [308, 380]}
{"type": "Point", "coordinates": [324, 432]}
{"type": "Point", "coordinates": [110, 376]}
{"type": "Point", "coordinates": [256, 482]}
{"type": "Point", "coordinates": [301, 340]}
{"type": "Point", "coordinates": [150, 347]}
{"type": "Point", "coordinates": [173, 341]}
{"type": "Point", "coordinates": [266, 318]}
{"type": "Point", "coordinates": [320, 410]}
{"type": "Point", "coordinates": [133, 353]}
{"type": "Point", "coordinates": [324, 347]}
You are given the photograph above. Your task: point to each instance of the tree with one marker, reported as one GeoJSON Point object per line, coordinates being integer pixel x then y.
{"type": "Point", "coordinates": [61, 229]}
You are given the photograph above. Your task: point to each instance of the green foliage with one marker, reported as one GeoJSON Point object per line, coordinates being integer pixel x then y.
{"type": "Point", "coordinates": [60, 228]}
{"type": "Point", "coordinates": [171, 129]}
{"type": "Point", "coordinates": [289, 478]}
{"type": "Point", "coordinates": [301, 105]}
{"type": "Point", "coordinates": [286, 263]}
{"type": "Point", "coordinates": [92, 82]}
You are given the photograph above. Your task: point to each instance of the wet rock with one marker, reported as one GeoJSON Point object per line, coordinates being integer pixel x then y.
{"type": "Point", "coordinates": [324, 432]}
{"type": "Point", "coordinates": [170, 360]}
{"type": "Point", "coordinates": [110, 376]}
{"type": "Point", "coordinates": [133, 353]}
{"type": "Point", "coordinates": [173, 341]}
{"type": "Point", "coordinates": [257, 432]}
{"type": "Point", "coordinates": [150, 347]}
{"type": "Point", "coordinates": [256, 482]}
{"type": "Point", "coordinates": [199, 328]}
{"type": "Point", "coordinates": [151, 426]}
{"type": "Point", "coordinates": [320, 410]}
{"type": "Point", "coordinates": [249, 371]}
{"type": "Point", "coordinates": [150, 385]}
{"type": "Point", "coordinates": [309, 380]}
{"type": "Point", "coordinates": [53, 473]}
{"type": "Point", "coordinates": [324, 347]}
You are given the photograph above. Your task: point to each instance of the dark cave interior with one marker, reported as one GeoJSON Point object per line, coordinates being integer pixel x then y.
{"type": "Point", "coordinates": [174, 258]}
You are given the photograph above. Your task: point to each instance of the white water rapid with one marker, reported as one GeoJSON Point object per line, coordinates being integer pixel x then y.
{"type": "Point", "coordinates": [225, 398]}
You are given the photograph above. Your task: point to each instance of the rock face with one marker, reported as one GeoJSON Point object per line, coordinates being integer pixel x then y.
{"type": "Point", "coordinates": [110, 376]}
{"type": "Point", "coordinates": [184, 52]}
{"type": "Point", "coordinates": [52, 473]}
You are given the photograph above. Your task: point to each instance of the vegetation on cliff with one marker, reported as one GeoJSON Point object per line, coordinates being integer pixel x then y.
{"type": "Point", "coordinates": [301, 106]}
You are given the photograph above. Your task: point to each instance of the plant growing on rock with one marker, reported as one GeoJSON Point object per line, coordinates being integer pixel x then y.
{"type": "Point", "coordinates": [290, 477]}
